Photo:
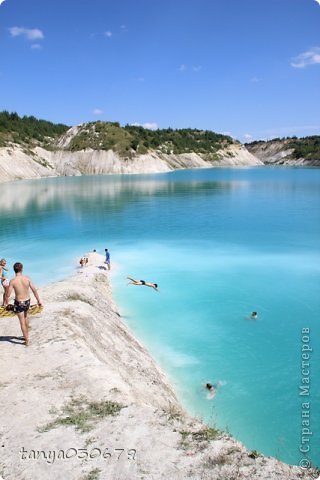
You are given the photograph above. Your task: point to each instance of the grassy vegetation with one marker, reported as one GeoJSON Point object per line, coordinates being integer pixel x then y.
{"type": "Point", "coordinates": [131, 140]}
{"type": "Point", "coordinates": [27, 130]}
{"type": "Point", "coordinates": [254, 454]}
{"type": "Point", "coordinates": [127, 141]}
{"type": "Point", "coordinates": [178, 141]}
{"type": "Point", "coordinates": [102, 136]}
{"type": "Point", "coordinates": [82, 414]}
{"type": "Point", "coordinates": [92, 475]}
{"type": "Point", "coordinates": [173, 413]}
{"type": "Point", "coordinates": [189, 438]}
{"type": "Point", "coordinates": [206, 434]}
{"type": "Point", "coordinates": [306, 147]}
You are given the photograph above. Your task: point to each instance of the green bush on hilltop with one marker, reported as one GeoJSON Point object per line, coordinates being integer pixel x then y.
{"type": "Point", "coordinates": [307, 148]}
{"type": "Point", "coordinates": [102, 136]}
{"type": "Point", "coordinates": [184, 140]}
{"type": "Point", "coordinates": [27, 130]}
{"type": "Point", "coordinates": [131, 140]}
{"type": "Point", "coordinates": [127, 141]}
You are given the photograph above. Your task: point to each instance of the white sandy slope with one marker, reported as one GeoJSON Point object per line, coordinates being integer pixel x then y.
{"type": "Point", "coordinates": [16, 163]}
{"type": "Point", "coordinates": [81, 349]}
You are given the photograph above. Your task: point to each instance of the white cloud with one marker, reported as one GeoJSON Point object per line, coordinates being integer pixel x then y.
{"type": "Point", "coordinates": [36, 46]}
{"type": "Point", "coordinates": [195, 68]}
{"type": "Point", "coordinates": [28, 33]}
{"type": "Point", "coordinates": [147, 125]}
{"type": "Point", "coordinates": [247, 136]}
{"type": "Point", "coordinates": [97, 111]}
{"type": "Point", "coordinates": [108, 34]}
{"type": "Point", "coordinates": [311, 57]}
{"type": "Point", "coordinates": [150, 126]}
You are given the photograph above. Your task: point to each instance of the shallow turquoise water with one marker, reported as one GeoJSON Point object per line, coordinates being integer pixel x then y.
{"type": "Point", "coordinates": [220, 243]}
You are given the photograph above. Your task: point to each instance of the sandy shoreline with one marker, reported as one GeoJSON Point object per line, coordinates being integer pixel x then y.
{"type": "Point", "coordinates": [57, 396]}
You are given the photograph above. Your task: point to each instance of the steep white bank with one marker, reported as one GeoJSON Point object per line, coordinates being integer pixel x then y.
{"type": "Point", "coordinates": [16, 163]}
{"type": "Point", "coordinates": [80, 353]}
{"type": "Point", "coordinates": [278, 152]}
{"type": "Point", "coordinates": [237, 156]}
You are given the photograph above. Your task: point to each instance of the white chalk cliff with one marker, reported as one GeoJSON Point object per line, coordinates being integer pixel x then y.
{"type": "Point", "coordinates": [18, 163]}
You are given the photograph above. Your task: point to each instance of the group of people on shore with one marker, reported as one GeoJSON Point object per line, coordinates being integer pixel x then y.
{"type": "Point", "coordinates": [84, 261]}
{"type": "Point", "coordinates": [21, 286]}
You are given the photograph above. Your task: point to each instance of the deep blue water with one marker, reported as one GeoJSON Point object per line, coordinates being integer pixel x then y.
{"type": "Point", "coordinates": [220, 243]}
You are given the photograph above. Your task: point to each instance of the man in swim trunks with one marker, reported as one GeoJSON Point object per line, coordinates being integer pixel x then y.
{"type": "Point", "coordinates": [142, 282]}
{"type": "Point", "coordinates": [21, 286]}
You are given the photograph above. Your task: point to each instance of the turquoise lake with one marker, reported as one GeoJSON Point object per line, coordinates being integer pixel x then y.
{"type": "Point", "coordinates": [220, 243]}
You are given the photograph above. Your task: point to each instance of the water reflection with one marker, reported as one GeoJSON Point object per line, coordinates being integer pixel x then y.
{"type": "Point", "coordinates": [115, 191]}
{"type": "Point", "coordinates": [78, 192]}
{"type": "Point", "coordinates": [165, 204]}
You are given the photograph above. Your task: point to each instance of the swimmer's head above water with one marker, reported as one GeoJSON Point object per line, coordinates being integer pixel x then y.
{"type": "Point", "coordinates": [212, 390]}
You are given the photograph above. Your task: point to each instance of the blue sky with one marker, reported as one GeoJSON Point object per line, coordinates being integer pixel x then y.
{"type": "Point", "coordinates": [247, 67]}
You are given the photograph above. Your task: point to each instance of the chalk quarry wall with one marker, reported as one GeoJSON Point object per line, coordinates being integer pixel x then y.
{"type": "Point", "coordinates": [15, 163]}
{"type": "Point", "coordinates": [278, 153]}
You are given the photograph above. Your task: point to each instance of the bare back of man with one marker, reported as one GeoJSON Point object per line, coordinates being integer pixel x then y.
{"type": "Point", "coordinates": [21, 285]}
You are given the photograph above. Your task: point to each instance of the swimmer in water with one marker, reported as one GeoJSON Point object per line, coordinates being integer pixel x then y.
{"type": "Point", "coordinates": [254, 316]}
{"type": "Point", "coordinates": [142, 282]}
{"type": "Point", "coordinates": [212, 390]}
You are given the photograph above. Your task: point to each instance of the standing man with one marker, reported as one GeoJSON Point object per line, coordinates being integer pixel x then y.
{"type": "Point", "coordinates": [107, 258]}
{"type": "Point", "coordinates": [21, 286]}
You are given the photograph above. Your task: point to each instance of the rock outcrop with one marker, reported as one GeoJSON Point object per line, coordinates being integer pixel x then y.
{"type": "Point", "coordinates": [279, 152]}
{"type": "Point", "coordinates": [18, 163]}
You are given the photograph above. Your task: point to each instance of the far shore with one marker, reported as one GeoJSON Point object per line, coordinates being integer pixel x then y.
{"type": "Point", "coordinates": [16, 163]}
{"type": "Point", "coordinates": [87, 401]}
